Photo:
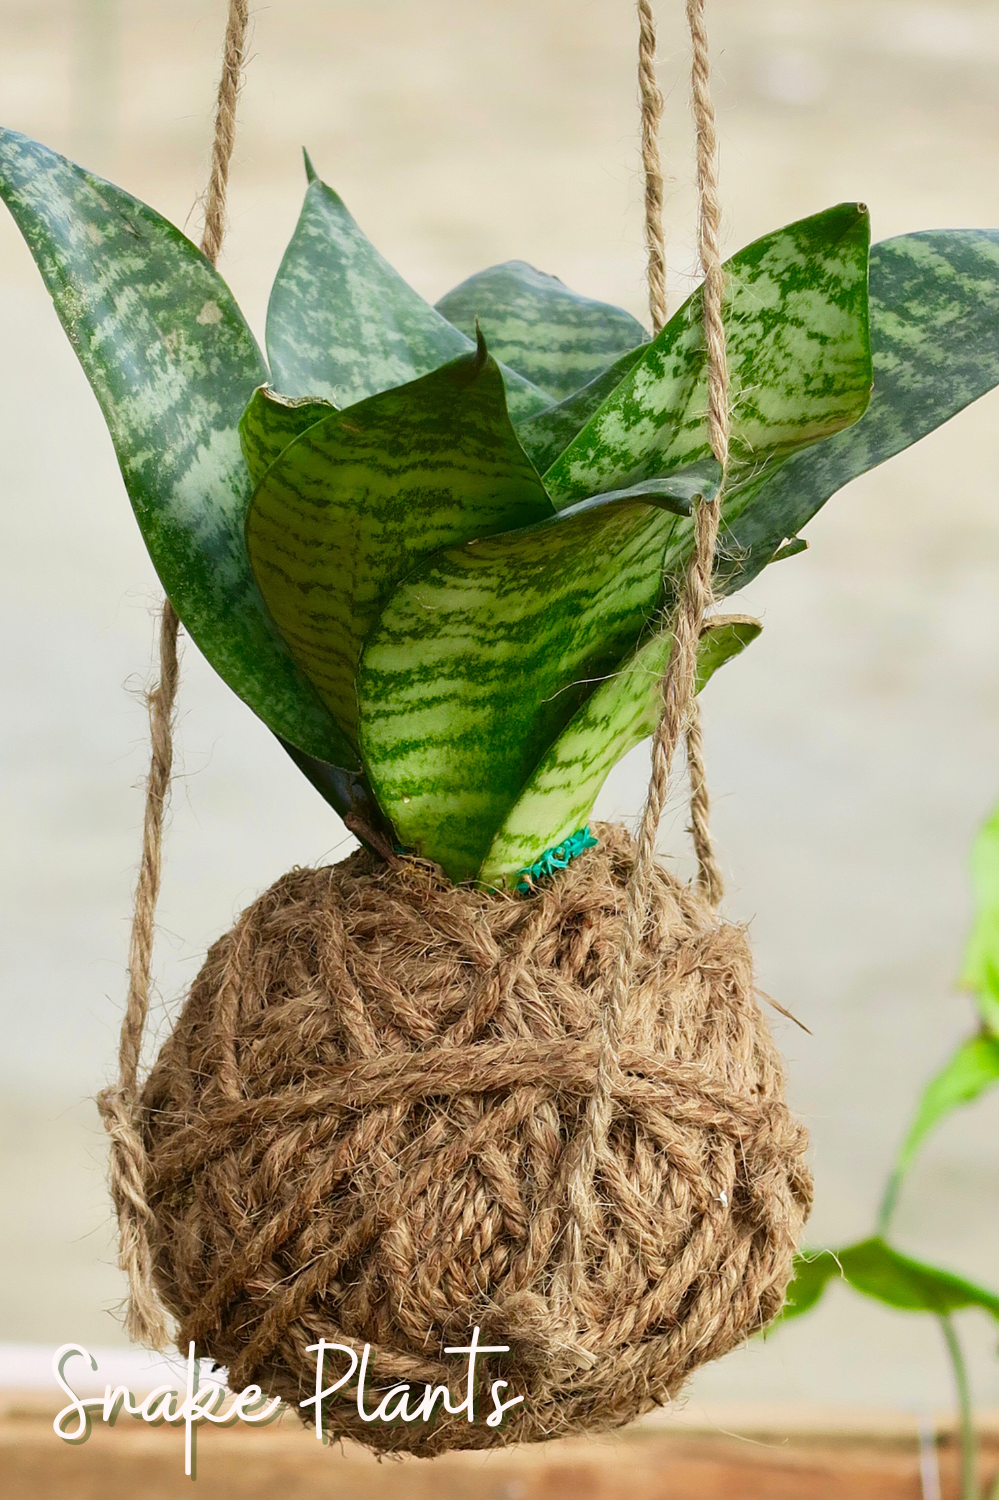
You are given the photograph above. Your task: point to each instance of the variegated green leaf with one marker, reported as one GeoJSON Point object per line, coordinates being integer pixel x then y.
{"type": "Point", "coordinates": [361, 497]}
{"type": "Point", "coordinates": [544, 436]}
{"type": "Point", "coordinates": [270, 422]}
{"type": "Point", "coordinates": [934, 349]}
{"type": "Point", "coordinates": [796, 314]}
{"type": "Point", "coordinates": [173, 365]}
{"type": "Point", "coordinates": [342, 324]}
{"type": "Point", "coordinates": [556, 338]}
{"type": "Point", "coordinates": [559, 796]}
{"type": "Point", "coordinates": [483, 655]}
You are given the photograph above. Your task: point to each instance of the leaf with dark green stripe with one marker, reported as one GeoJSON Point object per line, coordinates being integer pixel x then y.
{"type": "Point", "coordinates": [877, 1270]}
{"type": "Point", "coordinates": [796, 315]}
{"type": "Point", "coordinates": [342, 324]}
{"type": "Point", "coordinates": [559, 796]}
{"type": "Point", "coordinates": [483, 655]}
{"type": "Point", "coordinates": [361, 497]}
{"type": "Point", "coordinates": [556, 338]}
{"type": "Point", "coordinates": [173, 365]}
{"type": "Point", "coordinates": [545, 435]}
{"type": "Point", "coordinates": [271, 421]}
{"type": "Point", "coordinates": [934, 348]}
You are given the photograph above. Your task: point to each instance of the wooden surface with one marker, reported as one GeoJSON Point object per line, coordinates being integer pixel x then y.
{"type": "Point", "coordinates": [781, 1457]}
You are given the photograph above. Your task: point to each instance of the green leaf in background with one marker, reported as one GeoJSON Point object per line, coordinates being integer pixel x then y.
{"type": "Point", "coordinates": [620, 713]}
{"type": "Point", "coordinates": [971, 1071]}
{"type": "Point", "coordinates": [876, 1270]}
{"type": "Point", "coordinates": [173, 364]}
{"type": "Point", "coordinates": [361, 497]}
{"type": "Point", "coordinates": [812, 1270]}
{"type": "Point", "coordinates": [934, 349]}
{"type": "Point", "coordinates": [533, 322]}
{"type": "Point", "coordinates": [544, 436]}
{"type": "Point", "coordinates": [482, 656]}
{"type": "Point", "coordinates": [342, 324]}
{"type": "Point", "coordinates": [980, 964]}
{"type": "Point", "coordinates": [796, 314]}
{"type": "Point", "coordinates": [270, 422]}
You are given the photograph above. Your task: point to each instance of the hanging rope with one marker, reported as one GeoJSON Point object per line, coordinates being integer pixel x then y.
{"type": "Point", "coordinates": [144, 1320]}
{"type": "Point", "coordinates": [678, 686]}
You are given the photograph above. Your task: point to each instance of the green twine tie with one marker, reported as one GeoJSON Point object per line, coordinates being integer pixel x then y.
{"type": "Point", "coordinates": [554, 860]}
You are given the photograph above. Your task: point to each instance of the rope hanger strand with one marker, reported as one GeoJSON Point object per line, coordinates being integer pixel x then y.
{"type": "Point", "coordinates": [144, 1320]}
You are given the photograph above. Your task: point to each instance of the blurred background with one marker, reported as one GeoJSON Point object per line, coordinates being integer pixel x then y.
{"type": "Point", "coordinates": [851, 752]}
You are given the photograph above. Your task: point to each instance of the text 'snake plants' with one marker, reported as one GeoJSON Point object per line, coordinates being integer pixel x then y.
{"type": "Point", "coordinates": [433, 548]}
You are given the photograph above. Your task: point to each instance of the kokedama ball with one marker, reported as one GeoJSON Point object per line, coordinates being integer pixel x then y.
{"type": "Point", "coordinates": [367, 1125]}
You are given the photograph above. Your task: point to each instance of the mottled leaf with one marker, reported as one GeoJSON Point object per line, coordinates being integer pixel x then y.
{"type": "Point", "coordinates": [361, 497]}
{"type": "Point", "coordinates": [484, 654]}
{"type": "Point", "coordinates": [545, 435]}
{"type": "Point", "coordinates": [173, 365]}
{"type": "Point", "coordinates": [876, 1270]}
{"type": "Point", "coordinates": [980, 964]}
{"type": "Point", "coordinates": [270, 422]}
{"type": "Point", "coordinates": [556, 338]}
{"type": "Point", "coordinates": [559, 796]}
{"type": "Point", "coordinates": [934, 349]}
{"type": "Point", "coordinates": [342, 324]}
{"type": "Point", "coordinates": [796, 315]}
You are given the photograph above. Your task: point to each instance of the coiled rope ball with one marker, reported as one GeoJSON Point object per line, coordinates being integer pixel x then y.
{"type": "Point", "coordinates": [366, 1126]}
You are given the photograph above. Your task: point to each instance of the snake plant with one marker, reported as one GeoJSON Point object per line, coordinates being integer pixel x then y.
{"type": "Point", "coordinates": [431, 546]}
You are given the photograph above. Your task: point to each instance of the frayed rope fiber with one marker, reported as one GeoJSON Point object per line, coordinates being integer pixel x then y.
{"type": "Point", "coordinates": [369, 1124]}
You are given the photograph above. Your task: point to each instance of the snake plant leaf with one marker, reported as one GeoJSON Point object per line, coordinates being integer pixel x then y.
{"type": "Point", "coordinates": [934, 348]}
{"type": "Point", "coordinates": [675, 493]}
{"type": "Point", "coordinates": [544, 436]}
{"type": "Point", "coordinates": [348, 792]}
{"type": "Point", "coordinates": [343, 325]}
{"type": "Point", "coordinates": [271, 421]}
{"type": "Point", "coordinates": [796, 315]}
{"type": "Point", "coordinates": [980, 964]}
{"type": "Point", "coordinates": [877, 1270]}
{"type": "Point", "coordinates": [559, 796]}
{"type": "Point", "coordinates": [556, 338]}
{"type": "Point", "coordinates": [483, 655]}
{"type": "Point", "coordinates": [354, 503]}
{"type": "Point", "coordinates": [172, 364]}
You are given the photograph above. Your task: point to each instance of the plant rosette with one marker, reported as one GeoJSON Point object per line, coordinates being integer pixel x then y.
{"type": "Point", "coordinates": [433, 548]}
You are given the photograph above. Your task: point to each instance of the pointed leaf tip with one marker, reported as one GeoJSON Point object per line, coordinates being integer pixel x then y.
{"type": "Point", "coordinates": [311, 174]}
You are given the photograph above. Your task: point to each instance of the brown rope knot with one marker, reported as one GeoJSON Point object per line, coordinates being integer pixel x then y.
{"type": "Point", "coordinates": [366, 1125]}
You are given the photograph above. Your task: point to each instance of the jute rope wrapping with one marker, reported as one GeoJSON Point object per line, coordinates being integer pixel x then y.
{"type": "Point", "coordinates": [393, 1109]}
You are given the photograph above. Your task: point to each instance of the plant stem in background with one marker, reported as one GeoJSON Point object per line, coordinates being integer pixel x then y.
{"type": "Point", "coordinates": [968, 1433]}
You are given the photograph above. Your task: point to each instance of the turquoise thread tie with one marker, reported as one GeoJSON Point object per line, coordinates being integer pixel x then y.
{"type": "Point", "coordinates": [554, 859]}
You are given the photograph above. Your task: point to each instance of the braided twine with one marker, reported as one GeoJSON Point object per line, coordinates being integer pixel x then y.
{"type": "Point", "coordinates": [144, 1320]}
{"type": "Point", "coordinates": [393, 1109]}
